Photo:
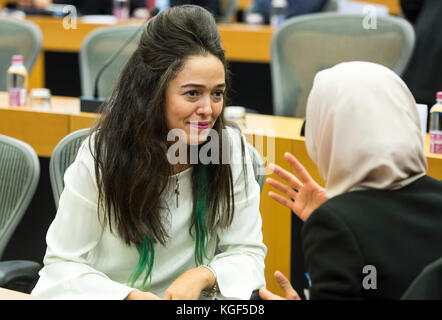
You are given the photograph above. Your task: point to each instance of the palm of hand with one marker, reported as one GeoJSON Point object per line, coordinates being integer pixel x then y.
{"type": "Point", "coordinates": [309, 197]}
{"type": "Point", "coordinates": [304, 195]}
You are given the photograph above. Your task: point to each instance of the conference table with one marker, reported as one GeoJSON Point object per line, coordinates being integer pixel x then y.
{"type": "Point", "coordinates": [271, 135]}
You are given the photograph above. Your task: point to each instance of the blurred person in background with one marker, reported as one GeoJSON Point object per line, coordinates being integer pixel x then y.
{"type": "Point", "coordinates": [423, 74]}
{"type": "Point", "coordinates": [294, 7]}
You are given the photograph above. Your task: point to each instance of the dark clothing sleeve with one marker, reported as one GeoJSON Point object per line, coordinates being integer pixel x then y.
{"type": "Point", "coordinates": [88, 7]}
{"type": "Point", "coordinates": [332, 256]}
{"type": "Point", "coordinates": [295, 7]}
{"type": "Point", "coordinates": [411, 9]}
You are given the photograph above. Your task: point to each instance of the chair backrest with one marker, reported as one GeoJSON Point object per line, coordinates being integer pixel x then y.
{"type": "Point", "coordinates": [19, 176]}
{"type": "Point", "coordinates": [18, 37]}
{"type": "Point", "coordinates": [258, 164]}
{"type": "Point", "coordinates": [96, 48]}
{"type": "Point", "coordinates": [228, 9]}
{"type": "Point", "coordinates": [62, 157]}
{"type": "Point", "coordinates": [304, 45]}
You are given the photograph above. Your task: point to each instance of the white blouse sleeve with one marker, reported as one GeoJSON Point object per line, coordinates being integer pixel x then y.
{"type": "Point", "coordinates": [240, 265]}
{"type": "Point", "coordinates": [71, 239]}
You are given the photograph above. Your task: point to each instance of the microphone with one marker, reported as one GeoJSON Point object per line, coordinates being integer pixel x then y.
{"type": "Point", "coordinates": [302, 133]}
{"type": "Point", "coordinates": [91, 104]}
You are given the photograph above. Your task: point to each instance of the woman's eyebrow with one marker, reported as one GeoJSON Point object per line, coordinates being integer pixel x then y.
{"type": "Point", "coordinates": [196, 85]}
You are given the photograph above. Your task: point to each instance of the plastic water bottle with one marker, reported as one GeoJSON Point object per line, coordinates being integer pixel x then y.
{"type": "Point", "coordinates": [436, 125]}
{"type": "Point", "coordinates": [278, 12]}
{"type": "Point", "coordinates": [17, 82]}
{"type": "Point", "coordinates": [120, 9]}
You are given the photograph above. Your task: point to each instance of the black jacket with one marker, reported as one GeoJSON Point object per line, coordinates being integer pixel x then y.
{"type": "Point", "coordinates": [398, 232]}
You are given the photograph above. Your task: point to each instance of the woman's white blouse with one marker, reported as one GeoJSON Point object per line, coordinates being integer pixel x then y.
{"type": "Point", "coordinates": [85, 260]}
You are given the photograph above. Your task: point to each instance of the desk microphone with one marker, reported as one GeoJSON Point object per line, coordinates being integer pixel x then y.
{"type": "Point", "coordinates": [302, 133]}
{"type": "Point", "coordinates": [88, 104]}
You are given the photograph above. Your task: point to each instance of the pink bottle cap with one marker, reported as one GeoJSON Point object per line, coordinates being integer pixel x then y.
{"type": "Point", "coordinates": [439, 95]}
{"type": "Point", "coordinates": [17, 58]}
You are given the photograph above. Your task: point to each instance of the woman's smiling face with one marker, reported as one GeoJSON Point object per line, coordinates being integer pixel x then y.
{"type": "Point", "coordinates": [194, 98]}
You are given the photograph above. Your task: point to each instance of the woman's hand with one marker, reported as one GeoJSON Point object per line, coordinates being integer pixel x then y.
{"type": "Point", "coordinates": [303, 197]}
{"type": "Point", "coordinates": [189, 285]}
{"type": "Point", "coordinates": [141, 295]}
{"type": "Point", "coordinates": [284, 283]}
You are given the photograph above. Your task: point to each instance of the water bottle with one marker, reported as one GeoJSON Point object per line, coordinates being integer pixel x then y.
{"type": "Point", "coordinates": [436, 125]}
{"type": "Point", "coordinates": [278, 12]}
{"type": "Point", "coordinates": [120, 9]}
{"type": "Point", "coordinates": [17, 82]}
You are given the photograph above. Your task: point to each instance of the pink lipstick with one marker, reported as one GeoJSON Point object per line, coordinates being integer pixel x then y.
{"type": "Point", "coordinates": [200, 125]}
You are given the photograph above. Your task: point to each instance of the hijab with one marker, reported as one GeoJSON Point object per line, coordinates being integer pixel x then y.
{"type": "Point", "coordinates": [363, 129]}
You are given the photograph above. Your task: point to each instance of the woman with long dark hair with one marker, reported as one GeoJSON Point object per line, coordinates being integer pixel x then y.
{"type": "Point", "coordinates": [132, 222]}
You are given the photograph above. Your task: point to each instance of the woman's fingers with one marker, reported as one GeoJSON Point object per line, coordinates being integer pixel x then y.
{"type": "Point", "coordinates": [282, 200]}
{"type": "Point", "coordinates": [287, 176]}
{"type": "Point", "coordinates": [267, 295]}
{"type": "Point", "coordinates": [297, 167]}
{"type": "Point", "coordinates": [285, 285]}
{"type": "Point", "coordinates": [282, 187]}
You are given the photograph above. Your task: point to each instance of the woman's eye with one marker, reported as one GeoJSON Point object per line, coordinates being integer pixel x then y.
{"type": "Point", "coordinates": [219, 94]}
{"type": "Point", "coordinates": [192, 94]}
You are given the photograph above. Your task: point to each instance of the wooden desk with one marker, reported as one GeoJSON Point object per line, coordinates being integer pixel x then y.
{"type": "Point", "coordinates": [44, 129]}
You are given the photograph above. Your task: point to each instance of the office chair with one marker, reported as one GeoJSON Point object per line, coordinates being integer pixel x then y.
{"type": "Point", "coordinates": [228, 9]}
{"type": "Point", "coordinates": [19, 175]}
{"type": "Point", "coordinates": [62, 157]}
{"type": "Point", "coordinates": [96, 48]}
{"type": "Point", "coordinates": [307, 44]}
{"type": "Point", "coordinates": [427, 285]}
{"type": "Point", "coordinates": [258, 164]}
{"type": "Point", "coordinates": [18, 37]}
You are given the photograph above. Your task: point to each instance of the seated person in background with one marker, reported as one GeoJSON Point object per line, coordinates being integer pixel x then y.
{"type": "Point", "coordinates": [37, 4]}
{"type": "Point", "coordinates": [92, 7]}
{"type": "Point", "coordinates": [131, 223]}
{"type": "Point", "coordinates": [423, 74]}
{"type": "Point", "coordinates": [295, 7]}
{"type": "Point", "coordinates": [382, 222]}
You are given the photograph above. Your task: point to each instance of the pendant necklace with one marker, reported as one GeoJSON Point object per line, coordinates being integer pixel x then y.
{"type": "Point", "coordinates": [177, 190]}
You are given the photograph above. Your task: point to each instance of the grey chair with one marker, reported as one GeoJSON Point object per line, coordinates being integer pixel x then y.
{"type": "Point", "coordinates": [304, 45]}
{"type": "Point", "coordinates": [258, 164]}
{"type": "Point", "coordinates": [19, 176]}
{"type": "Point", "coordinates": [228, 9]}
{"type": "Point", "coordinates": [62, 157]}
{"type": "Point", "coordinates": [18, 37]}
{"type": "Point", "coordinates": [97, 48]}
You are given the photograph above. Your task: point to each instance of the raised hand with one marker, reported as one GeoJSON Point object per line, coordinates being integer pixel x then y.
{"type": "Point", "coordinates": [304, 195]}
{"type": "Point", "coordinates": [284, 283]}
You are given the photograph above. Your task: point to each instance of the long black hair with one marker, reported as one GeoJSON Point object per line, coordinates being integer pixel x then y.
{"type": "Point", "coordinates": [130, 139]}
